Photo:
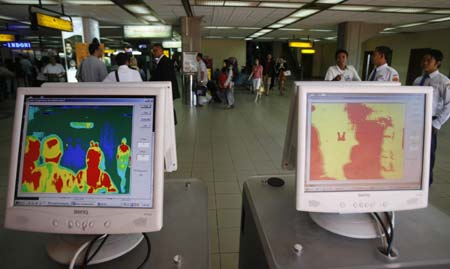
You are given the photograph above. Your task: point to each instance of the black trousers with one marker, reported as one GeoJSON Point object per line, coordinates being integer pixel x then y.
{"type": "Point", "coordinates": [432, 154]}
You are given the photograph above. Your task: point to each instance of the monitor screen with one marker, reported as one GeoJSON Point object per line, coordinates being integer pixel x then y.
{"type": "Point", "coordinates": [363, 149]}
{"type": "Point", "coordinates": [364, 142]}
{"type": "Point", "coordinates": [94, 151]}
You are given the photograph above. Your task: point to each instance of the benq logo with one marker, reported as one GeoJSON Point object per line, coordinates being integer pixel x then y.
{"type": "Point", "coordinates": [80, 212]}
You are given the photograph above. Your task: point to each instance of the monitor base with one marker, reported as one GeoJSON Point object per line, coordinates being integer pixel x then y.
{"type": "Point", "coordinates": [360, 225]}
{"type": "Point", "coordinates": [62, 248]}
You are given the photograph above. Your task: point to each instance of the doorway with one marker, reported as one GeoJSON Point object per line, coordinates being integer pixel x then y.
{"type": "Point", "coordinates": [307, 66]}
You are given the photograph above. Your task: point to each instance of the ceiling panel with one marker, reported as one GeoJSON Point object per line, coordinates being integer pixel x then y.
{"type": "Point", "coordinates": [403, 3]}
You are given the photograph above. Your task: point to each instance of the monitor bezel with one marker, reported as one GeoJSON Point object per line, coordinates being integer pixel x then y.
{"type": "Point", "coordinates": [359, 201]}
{"type": "Point", "coordinates": [87, 220]}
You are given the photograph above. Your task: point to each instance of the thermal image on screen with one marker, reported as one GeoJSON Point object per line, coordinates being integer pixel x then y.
{"type": "Point", "coordinates": [356, 141]}
{"type": "Point", "coordinates": [77, 149]}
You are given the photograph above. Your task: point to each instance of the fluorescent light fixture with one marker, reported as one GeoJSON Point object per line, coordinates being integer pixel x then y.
{"type": "Point", "coordinates": [171, 44]}
{"type": "Point", "coordinates": [88, 2]}
{"type": "Point", "coordinates": [320, 30]}
{"type": "Point", "coordinates": [209, 3]}
{"type": "Point", "coordinates": [389, 28]}
{"type": "Point", "coordinates": [402, 10]}
{"type": "Point", "coordinates": [308, 51]}
{"type": "Point", "coordinates": [25, 22]}
{"type": "Point", "coordinates": [236, 37]}
{"type": "Point", "coordinates": [214, 36]}
{"type": "Point", "coordinates": [316, 40]}
{"type": "Point", "coordinates": [224, 27]}
{"type": "Point", "coordinates": [265, 38]}
{"type": "Point", "coordinates": [291, 29]}
{"type": "Point", "coordinates": [249, 28]}
{"type": "Point", "coordinates": [411, 24]}
{"type": "Point", "coordinates": [265, 31]}
{"type": "Point", "coordinates": [240, 4]}
{"type": "Point", "coordinates": [210, 27]}
{"type": "Point", "coordinates": [351, 8]}
{"type": "Point", "coordinates": [298, 44]}
{"type": "Point", "coordinates": [276, 25]}
{"type": "Point", "coordinates": [384, 32]}
{"type": "Point", "coordinates": [138, 9]}
{"type": "Point", "coordinates": [304, 13]}
{"type": "Point", "coordinates": [147, 31]}
{"type": "Point", "coordinates": [329, 1]}
{"type": "Point", "coordinates": [283, 38]}
{"type": "Point", "coordinates": [150, 18]}
{"type": "Point", "coordinates": [281, 5]}
{"type": "Point", "coordinates": [441, 19]}
{"type": "Point", "coordinates": [331, 38]}
{"type": "Point", "coordinates": [288, 20]}
{"type": "Point", "coordinates": [29, 2]}
{"type": "Point", "coordinates": [248, 39]}
{"type": "Point", "coordinates": [440, 11]}
{"type": "Point", "coordinates": [7, 18]}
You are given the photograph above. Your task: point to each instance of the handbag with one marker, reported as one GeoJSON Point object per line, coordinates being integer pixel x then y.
{"type": "Point", "coordinates": [261, 89]}
{"type": "Point", "coordinates": [287, 73]}
{"type": "Point", "coordinates": [201, 90]}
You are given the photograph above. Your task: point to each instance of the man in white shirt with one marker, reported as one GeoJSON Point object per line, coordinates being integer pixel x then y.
{"type": "Point", "coordinates": [431, 62]}
{"type": "Point", "coordinates": [54, 71]}
{"type": "Point", "coordinates": [341, 71]}
{"type": "Point", "coordinates": [123, 73]}
{"type": "Point", "coordinates": [382, 71]}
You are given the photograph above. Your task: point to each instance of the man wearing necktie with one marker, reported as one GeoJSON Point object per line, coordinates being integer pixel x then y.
{"type": "Point", "coordinates": [431, 62]}
{"type": "Point", "coordinates": [382, 71]}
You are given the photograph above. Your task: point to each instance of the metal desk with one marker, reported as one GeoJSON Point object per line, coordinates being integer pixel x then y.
{"type": "Point", "coordinates": [271, 226]}
{"type": "Point", "coordinates": [184, 232]}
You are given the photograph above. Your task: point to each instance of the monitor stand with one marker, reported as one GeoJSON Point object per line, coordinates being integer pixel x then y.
{"type": "Point", "coordinates": [359, 225]}
{"type": "Point", "coordinates": [62, 248]}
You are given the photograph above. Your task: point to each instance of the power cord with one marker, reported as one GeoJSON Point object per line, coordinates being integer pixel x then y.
{"type": "Point", "coordinates": [78, 252]}
{"type": "Point", "coordinates": [87, 259]}
{"type": "Point", "coordinates": [391, 241]}
{"type": "Point", "coordinates": [388, 230]}
{"type": "Point", "coordinates": [149, 250]}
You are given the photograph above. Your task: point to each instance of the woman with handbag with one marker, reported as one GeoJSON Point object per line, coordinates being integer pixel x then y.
{"type": "Point", "coordinates": [257, 73]}
{"type": "Point", "coordinates": [281, 76]}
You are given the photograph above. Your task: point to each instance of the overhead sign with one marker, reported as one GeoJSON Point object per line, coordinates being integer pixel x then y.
{"type": "Point", "coordinates": [48, 21]}
{"type": "Point", "coordinates": [147, 31]}
{"type": "Point", "coordinates": [7, 38]}
{"type": "Point", "coordinates": [171, 44]}
{"type": "Point", "coordinates": [308, 51]}
{"type": "Point", "coordinates": [300, 44]}
{"type": "Point", "coordinates": [17, 45]}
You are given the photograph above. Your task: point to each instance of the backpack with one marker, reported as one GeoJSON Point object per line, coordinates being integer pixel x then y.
{"type": "Point", "coordinates": [222, 79]}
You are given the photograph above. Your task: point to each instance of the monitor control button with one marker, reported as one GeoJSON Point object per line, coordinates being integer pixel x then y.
{"type": "Point", "coordinates": [84, 225]}
{"type": "Point", "coordinates": [91, 224]}
{"type": "Point", "coordinates": [70, 224]}
{"type": "Point", "coordinates": [361, 204]}
{"type": "Point", "coordinates": [366, 205]}
{"type": "Point", "coordinates": [355, 204]}
{"type": "Point", "coordinates": [77, 223]}
{"type": "Point", "coordinates": [55, 223]}
{"type": "Point", "coordinates": [107, 224]}
{"type": "Point", "coordinates": [342, 204]}
{"type": "Point", "coordinates": [385, 204]}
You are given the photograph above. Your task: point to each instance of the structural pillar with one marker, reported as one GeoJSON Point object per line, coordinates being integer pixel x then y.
{"type": "Point", "coordinates": [191, 40]}
{"type": "Point", "coordinates": [91, 29]}
{"type": "Point", "coordinates": [351, 35]}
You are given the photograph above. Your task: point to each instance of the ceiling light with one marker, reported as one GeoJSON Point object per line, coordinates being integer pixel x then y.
{"type": "Point", "coordinates": [236, 37]}
{"type": "Point", "coordinates": [265, 31]}
{"type": "Point", "coordinates": [389, 28]}
{"type": "Point", "coordinates": [224, 27]}
{"type": "Point", "coordinates": [276, 25]}
{"type": "Point", "coordinates": [281, 5]}
{"type": "Point", "coordinates": [411, 24]}
{"type": "Point", "coordinates": [209, 3]}
{"type": "Point", "coordinates": [138, 9]}
{"type": "Point", "coordinates": [25, 22]}
{"type": "Point", "coordinates": [150, 18]}
{"type": "Point", "coordinates": [320, 30]}
{"type": "Point", "coordinates": [240, 4]}
{"type": "Point", "coordinates": [351, 8]}
{"type": "Point", "coordinates": [265, 37]}
{"type": "Point", "coordinates": [248, 38]}
{"type": "Point", "coordinates": [283, 38]}
{"type": "Point", "coordinates": [291, 29]}
{"type": "Point", "coordinates": [88, 2]}
{"type": "Point", "coordinates": [441, 19]}
{"type": "Point", "coordinates": [249, 28]}
{"type": "Point", "coordinates": [29, 2]}
{"type": "Point", "coordinates": [288, 20]}
{"type": "Point", "coordinates": [440, 11]}
{"type": "Point", "coordinates": [304, 13]}
{"type": "Point", "coordinates": [214, 36]}
{"type": "Point", "coordinates": [329, 1]}
{"type": "Point", "coordinates": [402, 10]}
{"type": "Point", "coordinates": [210, 27]}
{"type": "Point", "coordinates": [331, 38]}
{"type": "Point", "coordinates": [384, 32]}
{"type": "Point", "coordinates": [7, 18]}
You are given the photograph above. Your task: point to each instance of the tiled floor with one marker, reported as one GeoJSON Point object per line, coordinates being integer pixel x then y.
{"type": "Point", "coordinates": [225, 147]}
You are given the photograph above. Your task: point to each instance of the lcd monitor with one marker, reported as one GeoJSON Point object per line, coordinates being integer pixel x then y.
{"type": "Point", "coordinates": [87, 161]}
{"type": "Point", "coordinates": [362, 149]}
{"type": "Point", "coordinates": [289, 158]}
{"type": "Point", "coordinates": [170, 147]}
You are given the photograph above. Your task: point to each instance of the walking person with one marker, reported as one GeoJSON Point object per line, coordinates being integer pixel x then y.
{"type": "Point", "coordinates": [124, 73]}
{"type": "Point", "coordinates": [256, 75]}
{"type": "Point", "coordinates": [268, 72]}
{"type": "Point", "coordinates": [92, 69]}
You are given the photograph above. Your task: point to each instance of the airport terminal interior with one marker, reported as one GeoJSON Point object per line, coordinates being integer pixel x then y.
{"type": "Point", "coordinates": [220, 143]}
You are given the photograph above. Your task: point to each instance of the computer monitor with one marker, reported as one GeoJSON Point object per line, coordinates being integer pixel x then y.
{"type": "Point", "coordinates": [170, 147]}
{"type": "Point", "coordinates": [289, 157]}
{"type": "Point", "coordinates": [362, 149]}
{"type": "Point", "coordinates": [87, 161]}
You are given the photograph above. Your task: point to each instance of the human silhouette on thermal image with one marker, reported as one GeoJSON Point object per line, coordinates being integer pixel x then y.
{"type": "Point", "coordinates": [50, 176]}
{"type": "Point", "coordinates": [123, 158]}
{"type": "Point", "coordinates": [97, 180]}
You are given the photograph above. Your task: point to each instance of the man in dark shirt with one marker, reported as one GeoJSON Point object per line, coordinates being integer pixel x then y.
{"type": "Point", "coordinates": [269, 73]}
{"type": "Point", "coordinates": [164, 71]}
